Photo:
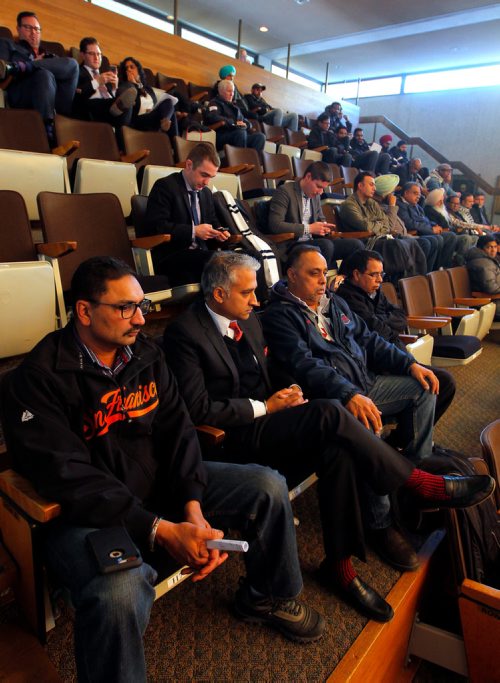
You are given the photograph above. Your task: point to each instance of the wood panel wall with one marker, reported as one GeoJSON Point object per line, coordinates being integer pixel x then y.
{"type": "Point", "coordinates": [67, 21]}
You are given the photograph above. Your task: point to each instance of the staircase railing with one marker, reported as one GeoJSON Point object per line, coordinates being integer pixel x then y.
{"type": "Point", "coordinates": [432, 152]}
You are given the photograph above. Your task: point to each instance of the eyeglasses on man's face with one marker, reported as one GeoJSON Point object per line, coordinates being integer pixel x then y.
{"type": "Point", "coordinates": [29, 27]}
{"type": "Point", "coordinates": [93, 54]}
{"type": "Point", "coordinates": [127, 310]}
{"type": "Point", "coordinates": [376, 275]}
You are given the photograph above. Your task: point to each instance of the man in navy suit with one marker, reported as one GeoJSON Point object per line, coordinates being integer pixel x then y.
{"type": "Point", "coordinates": [181, 205]}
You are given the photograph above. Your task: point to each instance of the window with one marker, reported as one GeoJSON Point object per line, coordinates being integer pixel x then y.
{"type": "Point", "coordinates": [375, 87]}
{"type": "Point", "coordinates": [137, 15]}
{"type": "Point", "coordinates": [208, 42]}
{"type": "Point", "coordinates": [279, 71]}
{"type": "Point", "coordinates": [343, 91]}
{"type": "Point", "coordinates": [456, 79]}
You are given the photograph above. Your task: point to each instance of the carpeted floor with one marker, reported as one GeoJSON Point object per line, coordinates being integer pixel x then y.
{"type": "Point", "coordinates": [192, 635]}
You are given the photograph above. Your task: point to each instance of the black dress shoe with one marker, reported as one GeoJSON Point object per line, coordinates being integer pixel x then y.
{"type": "Point", "coordinates": [367, 601]}
{"type": "Point", "coordinates": [358, 594]}
{"type": "Point", "coordinates": [394, 549]}
{"type": "Point", "coordinates": [463, 492]}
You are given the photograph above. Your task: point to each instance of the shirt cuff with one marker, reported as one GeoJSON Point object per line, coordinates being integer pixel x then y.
{"type": "Point", "coordinates": [259, 408]}
{"type": "Point", "coordinates": [307, 230]}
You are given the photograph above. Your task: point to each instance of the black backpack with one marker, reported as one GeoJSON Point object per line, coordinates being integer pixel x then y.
{"type": "Point", "coordinates": [479, 526]}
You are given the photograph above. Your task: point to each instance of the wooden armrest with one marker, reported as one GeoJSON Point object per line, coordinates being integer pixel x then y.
{"type": "Point", "coordinates": [428, 322]}
{"type": "Point", "coordinates": [169, 86]}
{"type": "Point", "coordinates": [409, 338]}
{"type": "Point", "coordinates": [321, 148]}
{"type": "Point", "coordinates": [300, 145]}
{"type": "Point", "coordinates": [199, 96]}
{"type": "Point", "coordinates": [21, 492]}
{"type": "Point", "coordinates": [283, 237]}
{"type": "Point", "coordinates": [150, 242]}
{"type": "Point", "coordinates": [470, 301]}
{"type": "Point", "coordinates": [453, 312]}
{"type": "Point", "coordinates": [481, 594]}
{"type": "Point", "coordinates": [275, 175]}
{"type": "Point", "coordinates": [239, 169]}
{"type": "Point", "coordinates": [135, 157]}
{"type": "Point", "coordinates": [66, 149]}
{"type": "Point", "coordinates": [485, 295]}
{"type": "Point", "coordinates": [349, 185]}
{"type": "Point", "coordinates": [216, 126]}
{"type": "Point", "coordinates": [412, 232]}
{"type": "Point", "coordinates": [56, 249]}
{"type": "Point", "coordinates": [337, 181]}
{"type": "Point", "coordinates": [210, 436]}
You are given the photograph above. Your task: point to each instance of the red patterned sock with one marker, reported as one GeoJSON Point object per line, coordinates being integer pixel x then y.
{"type": "Point", "coordinates": [427, 485]}
{"type": "Point", "coordinates": [343, 571]}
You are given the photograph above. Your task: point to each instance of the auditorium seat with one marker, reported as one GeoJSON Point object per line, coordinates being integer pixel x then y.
{"type": "Point", "coordinates": [23, 129]}
{"type": "Point", "coordinates": [278, 162]}
{"type": "Point", "coordinates": [95, 175]}
{"type": "Point", "coordinates": [154, 173]}
{"type": "Point", "coordinates": [27, 285]}
{"type": "Point", "coordinates": [30, 173]}
{"type": "Point", "coordinates": [96, 223]}
{"type": "Point", "coordinates": [464, 320]}
{"type": "Point", "coordinates": [275, 134]}
{"type": "Point", "coordinates": [253, 182]}
{"type": "Point", "coordinates": [97, 141]}
{"type": "Point", "coordinates": [460, 284]}
{"type": "Point", "coordinates": [449, 349]}
{"type": "Point", "coordinates": [160, 148]}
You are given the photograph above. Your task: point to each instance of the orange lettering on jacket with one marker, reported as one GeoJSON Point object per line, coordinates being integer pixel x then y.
{"type": "Point", "coordinates": [118, 406]}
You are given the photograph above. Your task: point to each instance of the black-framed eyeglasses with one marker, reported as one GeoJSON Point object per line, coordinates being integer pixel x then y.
{"type": "Point", "coordinates": [28, 27]}
{"type": "Point", "coordinates": [375, 275]}
{"type": "Point", "coordinates": [127, 310]}
{"type": "Point", "coordinates": [93, 54]}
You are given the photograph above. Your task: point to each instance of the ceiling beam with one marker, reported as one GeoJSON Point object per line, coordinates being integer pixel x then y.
{"type": "Point", "coordinates": [445, 21]}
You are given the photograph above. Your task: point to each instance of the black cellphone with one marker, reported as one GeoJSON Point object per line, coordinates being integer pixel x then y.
{"type": "Point", "coordinates": [113, 549]}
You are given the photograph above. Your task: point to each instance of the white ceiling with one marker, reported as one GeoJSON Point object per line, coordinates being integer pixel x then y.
{"type": "Point", "coordinates": [359, 39]}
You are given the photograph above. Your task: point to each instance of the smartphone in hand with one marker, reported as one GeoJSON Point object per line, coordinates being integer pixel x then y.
{"type": "Point", "coordinates": [113, 549]}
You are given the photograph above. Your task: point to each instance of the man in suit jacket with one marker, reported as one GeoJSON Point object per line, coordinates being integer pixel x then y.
{"type": "Point", "coordinates": [181, 205]}
{"type": "Point", "coordinates": [95, 97]}
{"type": "Point", "coordinates": [218, 353]}
{"type": "Point", "coordinates": [296, 207]}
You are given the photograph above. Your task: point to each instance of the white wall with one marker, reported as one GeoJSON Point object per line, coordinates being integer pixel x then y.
{"type": "Point", "coordinates": [464, 125]}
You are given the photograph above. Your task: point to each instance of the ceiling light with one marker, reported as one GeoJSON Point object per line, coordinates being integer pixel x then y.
{"type": "Point", "coordinates": [264, 29]}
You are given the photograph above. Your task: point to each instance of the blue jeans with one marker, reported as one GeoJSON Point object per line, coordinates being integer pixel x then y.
{"type": "Point", "coordinates": [112, 611]}
{"type": "Point", "coordinates": [405, 397]}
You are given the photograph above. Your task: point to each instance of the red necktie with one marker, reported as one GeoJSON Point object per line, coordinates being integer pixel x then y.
{"type": "Point", "coordinates": [238, 333]}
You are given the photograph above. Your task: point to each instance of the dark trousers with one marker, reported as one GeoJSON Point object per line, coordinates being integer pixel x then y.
{"type": "Point", "coordinates": [323, 436]}
{"type": "Point", "coordinates": [51, 86]}
{"type": "Point", "coordinates": [239, 137]}
{"type": "Point", "coordinates": [181, 267]}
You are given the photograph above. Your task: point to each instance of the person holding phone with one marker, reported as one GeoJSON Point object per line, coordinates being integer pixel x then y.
{"type": "Point", "coordinates": [96, 97]}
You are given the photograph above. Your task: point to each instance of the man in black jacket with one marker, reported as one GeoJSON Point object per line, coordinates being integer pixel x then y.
{"type": "Point", "coordinates": [94, 419]}
{"type": "Point", "coordinates": [235, 128]}
{"type": "Point", "coordinates": [181, 205]}
{"type": "Point", "coordinates": [258, 106]}
{"type": "Point", "coordinates": [40, 81]}
{"type": "Point", "coordinates": [321, 136]}
{"type": "Point", "coordinates": [219, 356]}
{"type": "Point", "coordinates": [362, 290]}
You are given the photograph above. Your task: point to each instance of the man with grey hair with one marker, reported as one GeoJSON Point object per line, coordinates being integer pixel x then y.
{"type": "Point", "coordinates": [234, 128]}
{"type": "Point", "coordinates": [219, 355]}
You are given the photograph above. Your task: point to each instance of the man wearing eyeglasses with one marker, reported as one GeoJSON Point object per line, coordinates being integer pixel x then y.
{"type": "Point", "coordinates": [95, 97]}
{"type": "Point", "coordinates": [361, 289]}
{"type": "Point", "coordinates": [38, 80]}
{"type": "Point", "coordinates": [94, 419]}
